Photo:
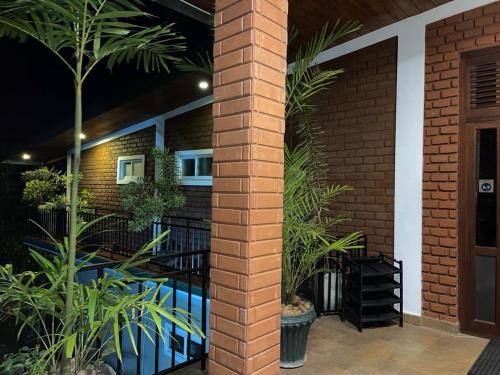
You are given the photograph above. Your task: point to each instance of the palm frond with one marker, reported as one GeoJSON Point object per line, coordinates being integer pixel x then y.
{"type": "Point", "coordinates": [92, 30]}
{"type": "Point", "coordinates": [304, 70]}
{"type": "Point", "coordinates": [202, 64]}
{"type": "Point", "coordinates": [307, 232]}
{"type": "Point", "coordinates": [305, 81]}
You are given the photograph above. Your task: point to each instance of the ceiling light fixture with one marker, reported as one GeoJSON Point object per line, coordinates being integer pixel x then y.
{"type": "Point", "coordinates": [203, 85]}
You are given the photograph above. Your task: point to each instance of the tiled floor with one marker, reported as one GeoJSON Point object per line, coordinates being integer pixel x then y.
{"type": "Point", "coordinates": [336, 348]}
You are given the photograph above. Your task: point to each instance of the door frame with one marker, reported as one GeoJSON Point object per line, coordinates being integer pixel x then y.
{"type": "Point", "coordinates": [468, 190]}
{"type": "Point", "coordinates": [463, 181]}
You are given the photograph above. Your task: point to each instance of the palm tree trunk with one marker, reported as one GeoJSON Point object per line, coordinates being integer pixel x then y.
{"type": "Point", "coordinates": [65, 368]}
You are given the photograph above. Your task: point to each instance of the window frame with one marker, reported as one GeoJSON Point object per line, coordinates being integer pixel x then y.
{"type": "Point", "coordinates": [180, 156]}
{"type": "Point", "coordinates": [120, 172]}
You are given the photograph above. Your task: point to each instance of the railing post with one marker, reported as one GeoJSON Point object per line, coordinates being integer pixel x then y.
{"type": "Point", "coordinates": [173, 339]}
{"type": "Point", "coordinates": [139, 338]}
{"type": "Point", "coordinates": [157, 342]}
{"type": "Point", "coordinates": [204, 277]}
{"type": "Point", "coordinates": [156, 231]}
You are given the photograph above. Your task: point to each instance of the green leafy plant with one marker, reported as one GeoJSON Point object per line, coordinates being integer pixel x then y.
{"type": "Point", "coordinates": [45, 189]}
{"type": "Point", "coordinates": [101, 309]}
{"type": "Point", "coordinates": [13, 216]}
{"type": "Point", "coordinates": [19, 363]}
{"type": "Point", "coordinates": [307, 222]}
{"type": "Point", "coordinates": [86, 200]}
{"type": "Point", "coordinates": [82, 34]}
{"type": "Point", "coordinates": [305, 81]}
{"type": "Point", "coordinates": [151, 199]}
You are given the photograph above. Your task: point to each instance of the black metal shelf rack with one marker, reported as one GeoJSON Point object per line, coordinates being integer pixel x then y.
{"type": "Point", "coordinates": [372, 290]}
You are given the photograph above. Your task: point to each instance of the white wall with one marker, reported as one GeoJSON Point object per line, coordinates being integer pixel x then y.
{"type": "Point", "coordinates": [409, 163]}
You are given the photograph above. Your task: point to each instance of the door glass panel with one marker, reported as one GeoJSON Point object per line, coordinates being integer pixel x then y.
{"type": "Point", "coordinates": [486, 153]}
{"type": "Point", "coordinates": [485, 288]}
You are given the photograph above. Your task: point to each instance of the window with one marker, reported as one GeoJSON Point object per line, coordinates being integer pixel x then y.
{"type": "Point", "coordinates": [130, 169]}
{"type": "Point", "coordinates": [195, 167]}
{"type": "Point", "coordinates": [482, 84]}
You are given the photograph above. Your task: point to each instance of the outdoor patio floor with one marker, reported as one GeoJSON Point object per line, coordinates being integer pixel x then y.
{"type": "Point", "coordinates": [336, 348]}
{"type": "Point", "coordinates": [339, 349]}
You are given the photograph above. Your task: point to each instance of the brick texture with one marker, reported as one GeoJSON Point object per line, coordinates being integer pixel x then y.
{"type": "Point", "coordinates": [445, 40]}
{"type": "Point", "coordinates": [247, 203]}
{"type": "Point", "coordinates": [357, 115]}
{"type": "Point", "coordinates": [99, 166]}
{"type": "Point", "coordinates": [192, 131]}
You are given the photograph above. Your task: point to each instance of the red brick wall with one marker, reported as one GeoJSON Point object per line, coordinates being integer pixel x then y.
{"type": "Point", "coordinates": [445, 40]}
{"type": "Point", "coordinates": [357, 115]}
{"type": "Point", "coordinates": [99, 166]}
{"type": "Point", "coordinates": [247, 205]}
{"type": "Point", "coordinates": [192, 131]}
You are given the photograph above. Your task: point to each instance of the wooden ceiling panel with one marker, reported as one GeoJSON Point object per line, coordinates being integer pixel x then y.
{"type": "Point", "coordinates": [310, 15]}
{"type": "Point", "coordinates": [177, 92]}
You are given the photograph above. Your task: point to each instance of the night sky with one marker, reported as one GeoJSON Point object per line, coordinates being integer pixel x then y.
{"type": "Point", "coordinates": [37, 89]}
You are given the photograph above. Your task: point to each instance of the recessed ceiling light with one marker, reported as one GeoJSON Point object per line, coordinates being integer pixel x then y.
{"type": "Point", "coordinates": [82, 136]}
{"type": "Point", "coordinates": [203, 85]}
{"type": "Point", "coordinates": [26, 156]}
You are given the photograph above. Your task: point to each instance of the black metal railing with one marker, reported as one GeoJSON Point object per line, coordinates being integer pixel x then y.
{"type": "Point", "coordinates": [179, 350]}
{"type": "Point", "coordinates": [112, 233]}
{"type": "Point", "coordinates": [327, 286]}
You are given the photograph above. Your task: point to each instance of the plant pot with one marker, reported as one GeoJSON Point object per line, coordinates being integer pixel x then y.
{"type": "Point", "coordinates": [294, 333]}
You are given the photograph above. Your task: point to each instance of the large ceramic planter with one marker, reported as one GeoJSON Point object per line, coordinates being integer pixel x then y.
{"type": "Point", "coordinates": [294, 333]}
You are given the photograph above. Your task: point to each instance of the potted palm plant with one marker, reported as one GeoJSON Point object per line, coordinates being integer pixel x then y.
{"type": "Point", "coordinates": [306, 239]}
{"type": "Point", "coordinates": [307, 196]}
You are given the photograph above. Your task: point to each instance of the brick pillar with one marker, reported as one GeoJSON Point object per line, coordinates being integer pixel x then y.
{"type": "Point", "coordinates": [247, 203]}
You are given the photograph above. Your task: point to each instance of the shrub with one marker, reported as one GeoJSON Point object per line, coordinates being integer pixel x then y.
{"type": "Point", "coordinates": [151, 199]}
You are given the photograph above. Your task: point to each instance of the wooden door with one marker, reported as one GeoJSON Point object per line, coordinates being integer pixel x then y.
{"type": "Point", "coordinates": [481, 267]}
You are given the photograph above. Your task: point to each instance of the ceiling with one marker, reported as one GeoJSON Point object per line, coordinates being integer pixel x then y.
{"type": "Point", "coordinates": [144, 107]}
{"type": "Point", "coordinates": [36, 110]}
{"type": "Point", "coordinates": [310, 15]}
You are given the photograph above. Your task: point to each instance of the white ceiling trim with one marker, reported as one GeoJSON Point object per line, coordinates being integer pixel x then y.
{"type": "Point", "coordinates": [148, 123]}
{"type": "Point", "coordinates": [433, 15]}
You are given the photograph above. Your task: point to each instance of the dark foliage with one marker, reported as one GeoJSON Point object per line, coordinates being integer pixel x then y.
{"type": "Point", "coordinates": [13, 218]}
